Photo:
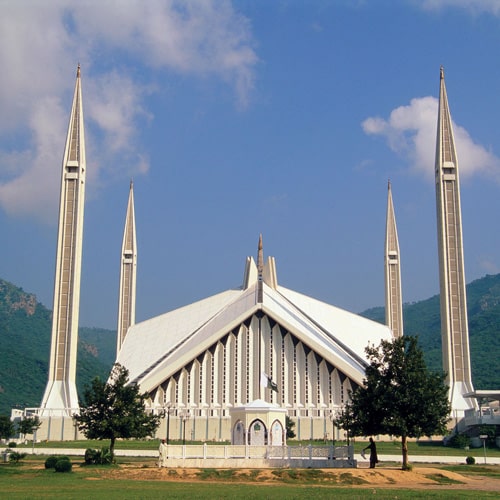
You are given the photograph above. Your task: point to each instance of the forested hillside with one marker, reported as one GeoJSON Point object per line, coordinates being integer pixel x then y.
{"type": "Point", "coordinates": [483, 304]}
{"type": "Point", "coordinates": [25, 329]}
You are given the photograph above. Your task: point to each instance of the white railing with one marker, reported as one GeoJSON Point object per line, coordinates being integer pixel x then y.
{"type": "Point", "coordinates": [310, 452]}
{"type": "Point", "coordinates": [487, 415]}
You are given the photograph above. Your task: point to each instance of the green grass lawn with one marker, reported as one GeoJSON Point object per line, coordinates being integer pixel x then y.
{"type": "Point", "coordinates": [28, 480]}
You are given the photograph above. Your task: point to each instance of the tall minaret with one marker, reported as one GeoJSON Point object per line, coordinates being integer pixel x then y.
{"type": "Point", "coordinates": [60, 393]}
{"type": "Point", "coordinates": [260, 271]}
{"type": "Point", "coordinates": [393, 295]}
{"type": "Point", "coordinates": [128, 271]}
{"type": "Point", "coordinates": [454, 323]}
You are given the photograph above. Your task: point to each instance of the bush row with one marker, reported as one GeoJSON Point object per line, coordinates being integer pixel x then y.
{"type": "Point", "coordinates": [60, 463]}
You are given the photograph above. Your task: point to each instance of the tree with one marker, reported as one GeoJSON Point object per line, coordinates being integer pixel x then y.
{"type": "Point", "coordinates": [289, 424]}
{"type": "Point", "coordinates": [115, 409]}
{"type": "Point", "coordinates": [6, 427]}
{"type": "Point", "coordinates": [400, 396]}
{"type": "Point", "coordinates": [29, 425]}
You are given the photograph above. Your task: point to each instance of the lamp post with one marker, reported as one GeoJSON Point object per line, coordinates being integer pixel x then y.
{"type": "Point", "coordinates": [184, 417]}
{"type": "Point", "coordinates": [484, 437]}
{"type": "Point", "coordinates": [332, 420]}
{"type": "Point", "coordinates": [167, 411]}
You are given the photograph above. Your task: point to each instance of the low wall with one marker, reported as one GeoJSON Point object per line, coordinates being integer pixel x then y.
{"type": "Point", "coordinates": [259, 463]}
{"type": "Point", "coordinates": [229, 456]}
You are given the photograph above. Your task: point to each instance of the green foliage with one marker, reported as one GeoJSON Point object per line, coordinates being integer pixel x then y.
{"type": "Point", "coordinates": [488, 430]}
{"type": "Point", "coordinates": [29, 425]}
{"type": "Point", "coordinates": [483, 305]}
{"type": "Point", "coordinates": [25, 329]}
{"type": "Point", "coordinates": [92, 456]}
{"type": "Point", "coordinates": [98, 457]}
{"type": "Point", "coordinates": [50, 462]}
{"type": "Point", "coordinates": [63, 465]}
{"type": "Point", "coordinates": [289, 424]}
{"type": "Point", "coordinates": [6, 427]}
{"type": "Point", "coordinates": [115, 410]}
{"type": "Point", "coordinates": [458, 441]}
{"type": "Point", "coordinates": [400, 396]}
{"type": "Point", "coordinates": [12, 444]}
{"type": "Point", "coordinates": [16, 456]}
{"type": "Point", "coordinates": [470, 460]}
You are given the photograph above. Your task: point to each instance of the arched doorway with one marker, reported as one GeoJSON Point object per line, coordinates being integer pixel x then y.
{"type": "Point", "coordinates": [239, 433]}
{"type": "Point", "coordinates": [257, 435]}
{"type": "Point", "coordinates": [276, 438]}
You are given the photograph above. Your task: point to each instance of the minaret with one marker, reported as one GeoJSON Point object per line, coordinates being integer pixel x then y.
{"type": "Point", "coordinates": [260, 271]}
{"type": "Point", "coordinates": [61, 394]}
{"type": "Point", "coordinates": [393, 295]}
{"type": "Point", "coordinates": [454, 323]}
{"type": "Point", "coordinates": [128, 271]}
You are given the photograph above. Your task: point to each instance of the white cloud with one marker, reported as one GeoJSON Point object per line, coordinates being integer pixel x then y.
{"type": "Point", "coordinates": [411, 132]}
{"type": "Point", "coordinates": [474, 6]}
{"type": "Point", "coordinates": [201, 38]}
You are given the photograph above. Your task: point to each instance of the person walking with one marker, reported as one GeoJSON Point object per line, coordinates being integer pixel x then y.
{"type": "Point", "coordinates": [162, 453]}
{"type": "Point", "coordinates": [373, 453]}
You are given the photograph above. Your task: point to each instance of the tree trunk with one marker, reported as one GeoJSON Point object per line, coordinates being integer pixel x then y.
{"type": "Point", "coordinates": [112, 446]}
{"type": "Point", "coordinates": [404, 449]}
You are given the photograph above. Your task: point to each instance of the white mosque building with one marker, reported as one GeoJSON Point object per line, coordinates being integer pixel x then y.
{"type": "Point", "coordinates": [200, 362]}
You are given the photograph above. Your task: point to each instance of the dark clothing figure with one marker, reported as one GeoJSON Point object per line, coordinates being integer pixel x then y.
{"type": "Point", "coordinates": [373, 453]}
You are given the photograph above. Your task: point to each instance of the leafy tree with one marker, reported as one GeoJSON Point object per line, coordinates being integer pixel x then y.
{"type": "Point", "coordinates": [6, 427]}
{"type": "Point", "coordinates": [115, 409]}
{"type": "Point", "coordinates": [400, 396]}
{"type": "Point", "coordinates": [289, 424]}
{"type": "Point", "coordinates": [29, 425]}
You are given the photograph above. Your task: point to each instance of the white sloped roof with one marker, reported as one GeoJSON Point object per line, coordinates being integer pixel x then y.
{"type": "Point", "coordinates": [155, 349]}
{"type": "Point", "coordinates": [352, 330]}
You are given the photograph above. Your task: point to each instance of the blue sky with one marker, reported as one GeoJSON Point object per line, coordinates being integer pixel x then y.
{"type": "Point", "coordinates": [284, 118]}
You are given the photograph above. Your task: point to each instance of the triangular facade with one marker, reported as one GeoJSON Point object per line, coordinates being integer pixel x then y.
{"type": "Point", "coordinates": [208, 357]}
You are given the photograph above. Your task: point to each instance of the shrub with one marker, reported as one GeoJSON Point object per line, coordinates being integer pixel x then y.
{"type": "Point", "coordinates": [51, 461]}
{"type": "Point", "coordinates": [92, 456]}
{"type": "Point", "coordinates": [12, 444]}
{"type": "Point", "coordinates": [458, 441]}
{"type": "Point", "coordinates": [63, 465]}
{"type": "Point", "coordinates": [470, 460]}
{"type": "Point", "coordinates": [407, 467]}
{"type": "Point", "coordinates": [99, 457]}
{"type": "Point", "coordinates": [106, 456]}
{"type": "Point", "coordinates": [15, 456]}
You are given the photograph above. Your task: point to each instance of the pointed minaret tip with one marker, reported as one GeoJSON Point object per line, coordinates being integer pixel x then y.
{"type": "Point", "coordinates": [441, 72]}
{"type": "Point", "coordinates": [260, 257]}
{"type": "Point", "coordinates": [78, 71]}
{"type": "Point", "coordinates": [131, 183]}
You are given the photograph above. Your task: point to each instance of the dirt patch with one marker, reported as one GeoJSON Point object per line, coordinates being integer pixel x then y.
{"type": "Point", "coordinates": [384, 477]}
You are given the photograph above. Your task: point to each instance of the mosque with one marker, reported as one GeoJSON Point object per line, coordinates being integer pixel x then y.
{"type": "Point", "coordinates": [260, 342]}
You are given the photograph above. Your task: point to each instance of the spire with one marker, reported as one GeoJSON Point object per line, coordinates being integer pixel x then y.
{"type": "Point", "coordinates": [454, 321]}
{"type": "Point", "coordinates": [260, 257]}
{"type": "Point", "coordinates": [393, 295]}
{"type": "Point", "coordinates": [60, 393]}
{"type": "Point", "coordinates": [446, 155]}
{"type": "Point", "coordinates": [128, 273]}
{"type": "Point", "coordinates": [260, 271]}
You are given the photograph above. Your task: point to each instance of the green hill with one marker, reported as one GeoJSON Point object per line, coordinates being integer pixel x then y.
{"type": "Point", "coordinates": [25, 329]}
{"type": "Point", "coordinates": [483, 304]}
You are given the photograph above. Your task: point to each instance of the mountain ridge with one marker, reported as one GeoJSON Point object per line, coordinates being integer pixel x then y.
{"type": "Point", "coordinates": [25, 331]}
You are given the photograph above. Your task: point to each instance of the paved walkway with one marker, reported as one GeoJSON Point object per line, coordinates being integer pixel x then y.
{"type": "Point", "coordinates": [428, 459]}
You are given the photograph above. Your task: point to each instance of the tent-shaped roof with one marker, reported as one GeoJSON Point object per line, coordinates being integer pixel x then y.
{"type": "Point", "coordinates": [157, 348]}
